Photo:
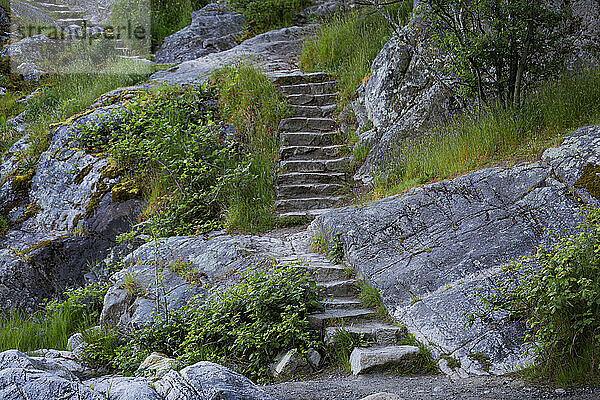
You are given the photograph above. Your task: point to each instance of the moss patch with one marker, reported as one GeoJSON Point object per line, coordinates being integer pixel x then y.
{"type": "Point", "coordinates": [482, 359]}
{"type": "Point", "coordinates": [590, 180]}
{"type": "Point", "coordinates": [21, 183]}
{"type": "Point", "coordinates": [125, 190]}
{"type": "Point", "coordinates": [31, 211]}
{"type": "Point", "coordinates": [82, 174]}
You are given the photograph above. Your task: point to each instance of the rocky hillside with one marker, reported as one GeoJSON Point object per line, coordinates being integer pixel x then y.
{"type": "Point", "coordinates": [130, 192]}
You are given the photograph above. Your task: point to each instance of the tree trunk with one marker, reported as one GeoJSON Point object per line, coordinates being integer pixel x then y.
{"type": "Point", "coordinates": [523, 63]}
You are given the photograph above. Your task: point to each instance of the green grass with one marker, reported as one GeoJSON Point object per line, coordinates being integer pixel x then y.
{"type": "Point", "coordinates": [347, 45]}
{"type": "Point", "coordinates": [248, 99]}
{"type": "Point", "coordinates": [51, 327]}
{"type": "Point", "coordinates": [369, 297]}
{"type": "Point", "coordinates": [482, 138]}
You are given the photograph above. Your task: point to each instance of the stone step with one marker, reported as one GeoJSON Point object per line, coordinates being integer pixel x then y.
{"type": "Point", "coordinates": [320, 100]}
{"type": "Point", "coordinates": [341, 288]}
{"type": "Point", "coordinates": [68, 14]}
{"type": "Point", "coordinates": [298, 77]}
{"type": "Point", "coordinates": [309, 88]}
{"type": "Point", "coordinates": [52, 7]}
{"type": "Point", "coordinates": [69, 21]}
{"type": "Point", "coordinates": [320, 152]}
{"type": "Point", "coordinates": [341, 303]}
{"type": "Point", "coordinates": [307, 138]}
{"type": "Point", "coordinates": [365, 359]}
{"type": "Point", "coordinates": [321, 272]}
{"type": "Point", "coordinates": [301, 124]}
{"type": "Point", "coordinates": [310, 190]}
{"type": "Point", "coordinates": [308, 165]}
{"type": "Point", "coordinates": [313, 111]}
{"type": "Point", "coordinates": [332, 317]}
{"type": "Point", "coordinates": [308, 214]}
{"type": "Point", "coordinates": [372, 331]}
{"type": "Point", "coordinates": [308, 203]}
{"type": "Point", "coordinates": [301, 178]}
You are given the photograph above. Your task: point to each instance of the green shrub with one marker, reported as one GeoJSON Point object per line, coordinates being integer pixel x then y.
{"type": "Point", "coordinates": [265, 15]}
{"type": "Point", "coordinates": [244, 327]}
{"type": "Point", "coordinates": [248, 99]}
{"type": "Point", "coordinates": [100, 346]}
{"type": "Point", "coordinates": [347, 45]}
{"type": "Point", "coordinates": [560, 300]}
{"type": "Point", "coordinates": [52, 326]}
{"type": "Point", "coordinates": [171, 147]}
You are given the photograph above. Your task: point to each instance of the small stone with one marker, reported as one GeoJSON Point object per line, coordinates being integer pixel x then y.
{"type": "Point", "coordinates": [560, 391]}
{"type": "Point", "coordinates": [438, 389]}
{"type": "Point", "coordinates": [382, 396]}
{"type": "Point", "coordinates": [290, 363]}
{"type": "Point", "coordinates": [75, 341]}
{"type": "Point", "coordinates": [155, 366]}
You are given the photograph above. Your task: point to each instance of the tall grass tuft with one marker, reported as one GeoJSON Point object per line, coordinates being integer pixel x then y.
{"type": "Point", "coordinates": [347, 45]}
{"type": "Point", "coordinates": [481, 138]}
{"type": "Point", "coordinates": [248, 99]}
{"type": "Point", "coordinates": [51, 327]}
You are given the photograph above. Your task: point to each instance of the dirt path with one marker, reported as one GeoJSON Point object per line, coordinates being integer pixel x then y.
{"type": "Point", "coordinates": [338, 387]}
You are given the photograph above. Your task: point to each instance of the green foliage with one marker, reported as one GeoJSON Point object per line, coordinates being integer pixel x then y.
{"type": "Point", "coordinates": [248, 99]}
{"type": "Point", "coordinates": [476, 139]}
{"type": "Point", "coordinates": [498, 47]}
{"type": "Point", "coordinates": [451, 362]}
{"type": "Point", "coordinates": [168, 138]}
{"type": "Point", "coordinates": [482, 359]}
{"type": "Point", "coordinates": [51, 327]}
{"type": "Point", "coordinates": [342, 345]}
{"type": "Point", "coordinates": [560, 300]}
{"type": "Point", "coordinates": [265, 15]}
{"type": "Point", "coordinates": [369, 297]}
{"type": "Point", "coordinates": [245, 326]}
{"type": "Point", "coordinates": [100, 345]}
{"type": "Point", "coordinates": [329, 245]}
{"type": "Point", "coordinates": [164, 17]}
{"type": "Point", "coordinates": [347, 45]}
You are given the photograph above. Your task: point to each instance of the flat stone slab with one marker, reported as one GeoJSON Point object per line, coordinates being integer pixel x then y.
{"type": "Point", "coordinates": [367, 359]}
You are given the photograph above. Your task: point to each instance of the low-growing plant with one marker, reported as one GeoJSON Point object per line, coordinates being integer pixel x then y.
{"type": "Point", "coordinates": [244, 326]}
{"type": "Point", "coordinates": [329, 245]}
{"type": "Point", "coordinates": [341, 347]}
{"type": "Point", "coordinates": [265, 15]}
{"type": "Point", "coordinates": [51, 327]}
{"type": "Point", "coordinates": [100, 346]}
{"type": "Point", "coordinates": [558, 298]}
{"type": "Point", "coordinates": [369, 297]}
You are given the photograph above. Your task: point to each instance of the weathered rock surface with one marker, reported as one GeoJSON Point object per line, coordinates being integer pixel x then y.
{"type": "Point", "coordinates": [42, 378]}
{"type": "Point", "coordinates": [273, 51]}
{"type": "Point", "coordinates": [291, 363]}
{"type": "Point", "coordinates": [173, 270]}
{"type": "Point", "coordinates": [155, 366]}
{"type": "Point", "coordinates": [433, 251]}
{"type": "Point", "coordinates": [61, 217]}
{"type": "Point", "coordinates": [213, 29]}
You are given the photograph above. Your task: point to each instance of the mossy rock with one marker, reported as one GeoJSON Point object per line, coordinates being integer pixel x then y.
{"type": "Point", "coordinates": [21, 183]}
{"type": "Point", "coordinates": [125, 190]}
{"type": "Point", "coordinates": [590, 180]}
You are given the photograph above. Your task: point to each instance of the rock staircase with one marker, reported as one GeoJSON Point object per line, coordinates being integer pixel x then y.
{"type": "Point", "coordinates": [312, 168]}
{"type": "Point", "coordinates": [65, 16]}
{"type": "Point", "coordinates": [344, 310]}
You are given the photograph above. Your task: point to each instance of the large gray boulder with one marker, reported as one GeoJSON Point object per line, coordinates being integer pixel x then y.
{"type": "Point", "coordinates": [169, 272]}
{"type": "Point", "coordinates": [60, 216]}
{"type": "Point", "coordinates": [213, 29]}
{"type": "Point", "coordinates": [435, 250]}
{"type": "Point", "coordinates": [272, 51]}
{"type": "Point", "coordinates": [38, 378]}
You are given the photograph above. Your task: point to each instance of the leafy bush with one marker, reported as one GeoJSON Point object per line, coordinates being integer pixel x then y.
{"type": "Point", "coordinates": [245, 326]}
{"type": "Point", "coordinates": [560, 300]}
{"type": "Point", "coordinates": [248, 99]}
{"type": "Point", "coordinates": [51, 327]}
{"type": "Point", "coordinates": [173, 151]}
{"type": "Point", "coordinates": [346, 46]}
{"type": "Point", "coordinates": [264, 15]}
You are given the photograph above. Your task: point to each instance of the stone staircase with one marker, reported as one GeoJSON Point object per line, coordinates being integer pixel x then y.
{"type": "Point", "coordinates": [312, 168]}
{"type": "Point", "coordinates": [344, 310]}
{"type": "Point", "coordinates": [65, 17]}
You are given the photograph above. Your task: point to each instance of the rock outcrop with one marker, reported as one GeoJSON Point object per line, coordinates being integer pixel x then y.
{"type": "Point", "coordinates": [213, 29]}
{"type": "Point", "coordinates": [273, 51]}
{"type": "Point", "coordinates": [51, 377]}
{"type": "Point", "coordinates": [434, 251]}
{"type": "Point", "coordinates": [170, 271]}
{"type": "Point", "coordinates": [59, 216]}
